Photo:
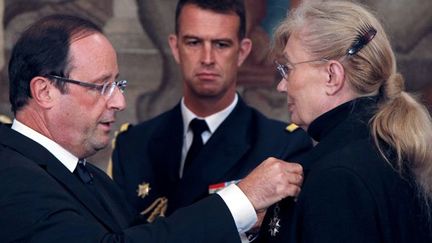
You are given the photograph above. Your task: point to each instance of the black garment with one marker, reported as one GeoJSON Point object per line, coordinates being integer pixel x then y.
{"type": "Point", "coordinates": [198, 126]}
{"type": "Point", "coordinates": [83, 173]}
{"type": "Point", "coordinates": [42, 201]}
{"type": "Point", "coordinates": [151, 153]}
{"type": "Point", "coordinates": [350, 193]}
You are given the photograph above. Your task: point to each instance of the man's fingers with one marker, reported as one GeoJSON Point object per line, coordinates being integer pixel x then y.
{"type": "Point", "coordinates": [293, 191]}
{"type": "Point", "coordinates": [294, 168]}
{"type": "Point", "coordinates": [289, 190]}
{"type": "Point", "coordinates": [272, 181]}
{"type": "Point", "coordinates": [295, 179]}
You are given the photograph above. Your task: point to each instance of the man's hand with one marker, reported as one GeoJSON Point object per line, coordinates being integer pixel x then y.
{"type": "Point", "coordinates": [272, 181]}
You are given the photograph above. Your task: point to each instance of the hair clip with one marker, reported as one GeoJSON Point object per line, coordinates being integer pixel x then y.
{"type": "Point", "coordinates": [366, 34]}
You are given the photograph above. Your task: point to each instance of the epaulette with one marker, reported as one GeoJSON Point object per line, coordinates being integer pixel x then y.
{"type": "Point", "coordinates": [292, 127]}
{"type": "Point", "coordinates": [5, 119]}
{"type": "Point", "coordinates": [124, 127]}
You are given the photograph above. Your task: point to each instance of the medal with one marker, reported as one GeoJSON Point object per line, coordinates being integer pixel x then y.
{"type": "Point", "coordinates": [275, 221]}
{"type": "Point", "coordinates": [143, 189]}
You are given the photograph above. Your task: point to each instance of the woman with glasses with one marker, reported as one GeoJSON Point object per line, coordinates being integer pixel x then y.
{"type": "Point", "coordinates": [369, 176]}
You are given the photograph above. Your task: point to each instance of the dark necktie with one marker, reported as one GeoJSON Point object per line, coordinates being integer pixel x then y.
{"type": "Point", "coordinates": [83, 173]}
{"type": "Point", "coordinates": [198, 126]}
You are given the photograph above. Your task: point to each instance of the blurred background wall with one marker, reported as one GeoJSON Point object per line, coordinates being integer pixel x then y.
{"type": "Point", "coordinates": [138, 30]}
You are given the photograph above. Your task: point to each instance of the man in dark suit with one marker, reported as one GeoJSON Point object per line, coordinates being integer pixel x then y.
{"type": "Point", "coordinates": [48, 191]}
{"type": "Point", "coordinates": [151, 161]}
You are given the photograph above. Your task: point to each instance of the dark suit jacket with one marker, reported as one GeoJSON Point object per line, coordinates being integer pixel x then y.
{"type": "Point", "coordinates": [350, 193]}
{"type": "Point", "coordinates": [41, 201]}
{"type": "Point", "coordinates": [151, 152]}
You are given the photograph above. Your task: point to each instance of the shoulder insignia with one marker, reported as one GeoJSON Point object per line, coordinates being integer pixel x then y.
{"type": "Point", "coordinates": [123, 127]}
{"type": "Point", "coordinates": [291, 127]}
{"type": "Point", "coordinates": [5, 119]}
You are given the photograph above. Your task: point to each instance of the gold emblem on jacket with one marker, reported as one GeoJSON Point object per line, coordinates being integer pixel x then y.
{"type": "Point", "coordinates": [143, 189]}
{"type": "Point", "coordinates": [291, 127]}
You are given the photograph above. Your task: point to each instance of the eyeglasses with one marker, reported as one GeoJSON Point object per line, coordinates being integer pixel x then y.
{"type": "Point", "coordinates": [106, 89]}
{"type": "Point", "coordinates": [285, 69]}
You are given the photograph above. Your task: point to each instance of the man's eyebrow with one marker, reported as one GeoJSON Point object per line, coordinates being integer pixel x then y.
{"type": "Point", "coordinates": [190, 37]}
{"type": "Point", "coordinates": [212, 40]}
{"type": "Point", "coordinates": [104, 77]}
{"type": "Point", "coordinates": [223, 39]}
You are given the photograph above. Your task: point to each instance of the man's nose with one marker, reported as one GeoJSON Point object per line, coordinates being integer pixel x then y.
{"type": "Point", "coordinates": [207, 55]}
{"type": "Point", "coordinates": [117, 100]}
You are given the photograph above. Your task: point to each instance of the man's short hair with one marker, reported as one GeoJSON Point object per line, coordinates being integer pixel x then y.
{"type": "Point", "coordinates": [219, 6]}
{"type": "Point", "coordinates": [43, 49]}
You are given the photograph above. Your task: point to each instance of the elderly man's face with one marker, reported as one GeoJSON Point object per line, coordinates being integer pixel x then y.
{"type": "Point", "coordinates": [83, 118]}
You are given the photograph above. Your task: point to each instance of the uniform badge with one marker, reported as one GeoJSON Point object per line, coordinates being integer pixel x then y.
{"type": "Point", "coordinates": [5, 119]}
{"type": "Point", "coordinates": [219, 186]}
{"type": "Point", "coordinates": [143, 189]}
{"type": "Point", "coordinates": [291, 127]}
{"type": "Point", "coordinates": [275, 221]}
{"type": "Point", "coordinates": [156, 209]}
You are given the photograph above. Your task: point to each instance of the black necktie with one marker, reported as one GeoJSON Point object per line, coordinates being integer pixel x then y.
{"type": "Point", "coordinates": [83, 173]}
{"type": "Point", "coordinates": [198, 126]}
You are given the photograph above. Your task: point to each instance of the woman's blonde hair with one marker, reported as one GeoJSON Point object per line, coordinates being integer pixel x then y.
{"type": "Point", "coordinates": [327, 30]}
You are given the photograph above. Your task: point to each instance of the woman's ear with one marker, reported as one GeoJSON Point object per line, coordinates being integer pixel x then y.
{"type": "Point", "coordinates": [336, 77]}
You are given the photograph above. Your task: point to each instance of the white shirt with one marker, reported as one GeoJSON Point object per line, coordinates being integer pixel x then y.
{"type": "Point", "coordinates": [69, 160]}
{"type": "Point", "coordinates": [213, 122]}
{"type": "Point", "coordinates": [239, 205]}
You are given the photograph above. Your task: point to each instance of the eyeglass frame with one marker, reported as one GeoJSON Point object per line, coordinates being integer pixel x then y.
{"type": "Point", "coordinates": [120, 84]}
{"type": "Point", "coordinates": [281, 67]}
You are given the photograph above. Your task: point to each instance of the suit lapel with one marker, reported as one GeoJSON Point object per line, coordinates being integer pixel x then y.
{"type": "Point", "coordinates": [165, 148]}
{"type": "Point", "coordinates": [58, 171]}
{"type": "Point", "coordinates": [82, 194]}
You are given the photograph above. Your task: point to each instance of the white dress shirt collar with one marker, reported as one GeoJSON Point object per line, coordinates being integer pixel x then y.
{"type": "Point", "coordinates": [213, 121]}
{"type": "Point", "coordinates": [65, 157]}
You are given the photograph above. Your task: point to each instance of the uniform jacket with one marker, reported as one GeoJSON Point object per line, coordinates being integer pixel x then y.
{"type": "Point", "coordinates": [42, 201]}
{"type": "Point", "coordinates": [151, 153]}
{"type": "Point", "coordinates": [350, 193]}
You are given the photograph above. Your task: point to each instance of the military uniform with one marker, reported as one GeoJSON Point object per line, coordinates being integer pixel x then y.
{"type": "Point", "coordinates": [147, 157]}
